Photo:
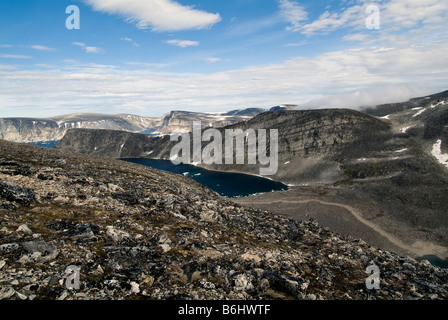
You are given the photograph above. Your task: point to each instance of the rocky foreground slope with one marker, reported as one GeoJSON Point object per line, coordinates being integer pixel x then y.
{"type": "Point", "coordinates": [139, 233]}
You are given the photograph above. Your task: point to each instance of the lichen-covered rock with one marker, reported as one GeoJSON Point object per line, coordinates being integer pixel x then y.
{"type": "Point", "coordinates": [15, 193]}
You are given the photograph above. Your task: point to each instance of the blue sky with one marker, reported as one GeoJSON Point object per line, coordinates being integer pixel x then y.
{"type": "Point", "coordinates": [149, 57]}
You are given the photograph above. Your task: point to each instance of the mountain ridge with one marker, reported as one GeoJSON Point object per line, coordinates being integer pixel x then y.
{"type": "Point", "coordinates": [28, 129]}
{"type": "Point", "coordinates": [385, 109]}
{"type": "Point", "coordinates": [23, 129]}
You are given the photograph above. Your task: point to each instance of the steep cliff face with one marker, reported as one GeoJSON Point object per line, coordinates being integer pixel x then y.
{"type": "Point", "coordinates": [310, 141]}
{"type": "Point", "coordinates": [315, 132]}
{"type": "Point", "coordinates": [125, 122]}
{"type": "Point", "coordinates": [182, 121]}
{"type": "Point", "coordinates": [109, 143]}
{"type": "Point", "coordinates": [30, 130]}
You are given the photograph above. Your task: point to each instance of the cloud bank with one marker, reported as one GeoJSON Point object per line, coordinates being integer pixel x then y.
{"type": "Point", "coordinates": [347, 78]}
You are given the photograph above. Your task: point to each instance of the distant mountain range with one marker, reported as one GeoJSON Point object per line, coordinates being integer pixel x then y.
{"type": "Point", "coordinates": [23, 129]}
{"type": "Point", "coordinates": [27, 130]}
{"type": "Point", "coordinates": [47, 129]}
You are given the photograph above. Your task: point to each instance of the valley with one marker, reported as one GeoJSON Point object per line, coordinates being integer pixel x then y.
{"type": "Point", "coordinates": [388, 170]}
{"type": "Point", "coordinates": [222, 159]}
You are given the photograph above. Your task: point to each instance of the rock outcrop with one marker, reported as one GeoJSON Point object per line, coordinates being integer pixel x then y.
{"type": "Point", "coordinates": [182, 121]}
{"type": "Point", "coordinates": [110, 143]}
{"type": "Point", "coordinates": [133, 232]}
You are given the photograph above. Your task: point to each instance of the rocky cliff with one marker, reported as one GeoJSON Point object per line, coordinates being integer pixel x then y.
{"type": "Point", "coordinates": [30, 130]}
{"type": "Point", "coordinates": [110, 143]}
{"type": "Point", "coordinates": [139, 233]}
{"type": "Point", "coordinates": [182, 121]}
{"type": "Point", "coordinates": [309, 141]}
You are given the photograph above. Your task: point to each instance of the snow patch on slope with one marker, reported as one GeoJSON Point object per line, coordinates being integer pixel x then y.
{"type": "Point", "coordinates": [438, 154]}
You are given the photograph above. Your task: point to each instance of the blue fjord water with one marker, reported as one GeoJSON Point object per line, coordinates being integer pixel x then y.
{"type": "Point", "coordinates": [436, 261]}
{"type": "Point", "coordinates": [46, 144]}
{"type": "Point", "coordinates": [227, 184]}
{"type": "Point", "coordinates": [231, 185]}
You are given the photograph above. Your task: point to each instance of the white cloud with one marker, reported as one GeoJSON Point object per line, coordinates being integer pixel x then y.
{"type": "Point", "coordinates": [88, 49]}
{"type": "Point", "coordinates": [182, 43]}
{"type": "Point", "coordinates": [356, 37]}
{"type": "Point", "coordinates": [135, 44]}
{"type": "Point", "coordinates": [70, 61]}
{"type": "Point", "coordinates": [42, 48]}
{"type": "Point", "coordinates": [93, 49]}
{"type": "Point", "coordinates": [147, 64]}
{"type": "Point", "coordinates": [159, 15]}
{"type": "Point", "coordinates": [396, 16]}
{"type": "Point", "coordinates": [14, 56]}
{"type": "Point", "coordinates": [369, 97]}
{"type": "Point", "coordinates": [212, 59]}
{"type": "Point", "coordinates": [409, 13]}
{"type": "Point", "coordinates": [294, 13]}
{"type": "Point", "coordinates": [354, 16]}
{"type": "Point", "coordinates": [215, 59]}
{"type": "Point", "coordinates": [46, 66]}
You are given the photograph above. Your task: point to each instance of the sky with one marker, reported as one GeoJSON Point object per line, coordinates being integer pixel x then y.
{"type": "Point", "coordinates": [149, 57]}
